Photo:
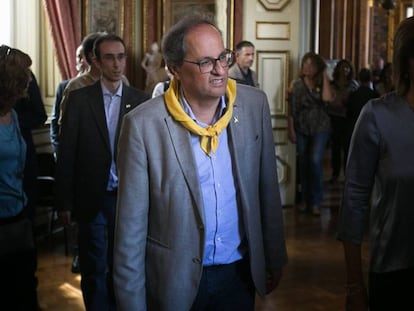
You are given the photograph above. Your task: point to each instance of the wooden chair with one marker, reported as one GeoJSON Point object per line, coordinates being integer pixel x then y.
{"type": "Point", "coordinates": [46, 212]}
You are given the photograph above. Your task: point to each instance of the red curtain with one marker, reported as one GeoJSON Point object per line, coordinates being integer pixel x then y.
{"type": "Point", "coordinates": [63, 18]}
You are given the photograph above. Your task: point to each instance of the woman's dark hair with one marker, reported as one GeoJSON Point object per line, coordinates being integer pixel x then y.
{"type": "Point", "coordinates": [14, 76]}
{"type": "Point", "coordinates": [336, 73]}
{"type": "Point", "coordinates": [320, 64]}
{"type": "Point", "coordinates": [403, 53]}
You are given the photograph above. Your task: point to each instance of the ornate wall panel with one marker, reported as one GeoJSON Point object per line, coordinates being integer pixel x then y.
{"type": "Point", "coordinates": [280, 135]}
{"type": "Point", "coordinates": [273, 70]}
{"type": "Point", "coordinates": [273, 30]}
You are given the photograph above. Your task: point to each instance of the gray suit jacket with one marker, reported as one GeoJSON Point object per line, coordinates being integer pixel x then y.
{"type": "Point", "coordinates": [159, 239]}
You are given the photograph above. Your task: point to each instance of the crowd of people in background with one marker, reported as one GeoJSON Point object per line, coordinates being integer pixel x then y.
{"type": "Point", "coordinates": [323, 111]}
{"type": "Point", "coordinates": [144, 216]}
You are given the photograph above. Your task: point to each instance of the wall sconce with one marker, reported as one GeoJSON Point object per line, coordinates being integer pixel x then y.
{"type": "Point", "coordinates": [388, 5]}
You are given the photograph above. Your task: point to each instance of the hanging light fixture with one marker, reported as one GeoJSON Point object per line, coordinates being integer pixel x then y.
{"type": "Point", "coordinates": [388, 5]}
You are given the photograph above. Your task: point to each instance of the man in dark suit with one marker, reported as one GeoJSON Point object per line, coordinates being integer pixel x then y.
{"type": "Point", "coordinates": [82, 67]}
{"type": "Point", "coordinates": [86, 176]}
{"type": "Point", "coordinates": [356, 101]}
{"type": "Point", "coordinates": [54, 126]}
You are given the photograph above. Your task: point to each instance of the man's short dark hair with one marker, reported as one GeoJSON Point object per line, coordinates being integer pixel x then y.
{"type": "Point", "coordinates": [105, 38]}
{"type": "Point", "coordinates": [364, 75]}
{"type": "Point", "coordinates": [243, 44]}
{"type": "Point", "coordinates": [87, 45]}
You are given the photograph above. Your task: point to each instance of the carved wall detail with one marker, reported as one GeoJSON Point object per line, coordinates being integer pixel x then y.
{"type": "Point", "coordinates": [274, 5]}
{"type": "Point", "coordinates": [273, 30]}
{"type": "Point", "coordinates": [282, 170]}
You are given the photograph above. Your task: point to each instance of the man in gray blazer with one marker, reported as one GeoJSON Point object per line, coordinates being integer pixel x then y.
{"type": "Point", "coordinates": [86, 179]}
{"type": "Point", "coordinates": [241, 71]}
{"type": "Point", "coordinates": [199, 218]}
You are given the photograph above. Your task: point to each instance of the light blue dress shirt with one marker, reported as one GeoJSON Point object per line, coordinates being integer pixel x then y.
{"type": "Point", "coordinates": [112, 103]}
{"type": "Point", "coordinates": [224, 232]}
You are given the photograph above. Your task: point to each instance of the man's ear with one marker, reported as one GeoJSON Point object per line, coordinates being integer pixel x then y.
{"type": "Point", "coordinates": [175, 71]}
{"type": "Point", "coordinates": [95, 61]}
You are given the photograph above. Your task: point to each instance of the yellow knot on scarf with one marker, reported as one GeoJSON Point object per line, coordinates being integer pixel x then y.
{"type": "Point", "coordinates": [208, 135]}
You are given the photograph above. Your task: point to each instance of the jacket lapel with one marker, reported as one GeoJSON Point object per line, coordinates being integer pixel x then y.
{"type": "Point", "coordinates": [236, 134]}
{"type": "Point", "coordinates": [98, 109]}
{"type": "Point", "coordinates": [182, 148]}
{"type": "Point", "coordinates": [126, 106]}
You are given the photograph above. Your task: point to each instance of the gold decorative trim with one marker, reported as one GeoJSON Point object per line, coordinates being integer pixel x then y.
{"type": "Point", "coordinates": [145, 26]}
{"type": "Point", "coordinates": [230, 25]}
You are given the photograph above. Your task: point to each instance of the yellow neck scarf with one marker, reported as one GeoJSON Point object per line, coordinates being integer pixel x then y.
{"type": "Point", "coordinates": [208, 135]}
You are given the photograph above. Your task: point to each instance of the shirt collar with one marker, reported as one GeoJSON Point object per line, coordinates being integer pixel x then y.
{"type": "Point", "coordinates": [189, 111]}
{"type": "Point", "coordinates": [118, 92]}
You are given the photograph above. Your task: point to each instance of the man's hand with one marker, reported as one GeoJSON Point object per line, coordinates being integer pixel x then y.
{"type": "Point", "coordinates": [291, 130]}
{"type": "Point", "coordinates": [273, 279]}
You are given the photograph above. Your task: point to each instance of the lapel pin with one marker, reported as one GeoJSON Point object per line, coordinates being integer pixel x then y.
{"type": "Point", "coordinates": [236, 119]}
{"type": "Point", "coordinates": [128, 106]}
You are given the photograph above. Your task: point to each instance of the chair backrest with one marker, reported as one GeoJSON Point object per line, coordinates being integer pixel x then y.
{"type": "Point", "coordinates": [46, 164]}
{"type": "Point", "coordinates": [46, 179]}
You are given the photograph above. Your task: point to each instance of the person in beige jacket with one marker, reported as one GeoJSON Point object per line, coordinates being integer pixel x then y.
{"type": "Point", "coordinates": [241, 70]}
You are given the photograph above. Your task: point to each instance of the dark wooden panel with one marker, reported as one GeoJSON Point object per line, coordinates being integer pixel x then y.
{"type": "Point", "coordinates": [325, 29]}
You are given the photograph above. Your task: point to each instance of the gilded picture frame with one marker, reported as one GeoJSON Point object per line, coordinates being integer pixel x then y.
{"type": "Point", "coordinates": [221, 10]}
{"type": "Point", "coordinates": [102, 15]}
{"type": "Point", "coordinates": [115, 17]}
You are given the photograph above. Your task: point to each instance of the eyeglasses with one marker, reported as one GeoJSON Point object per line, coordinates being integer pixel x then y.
{"type": "Point", "coordinates": [207, 64]}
